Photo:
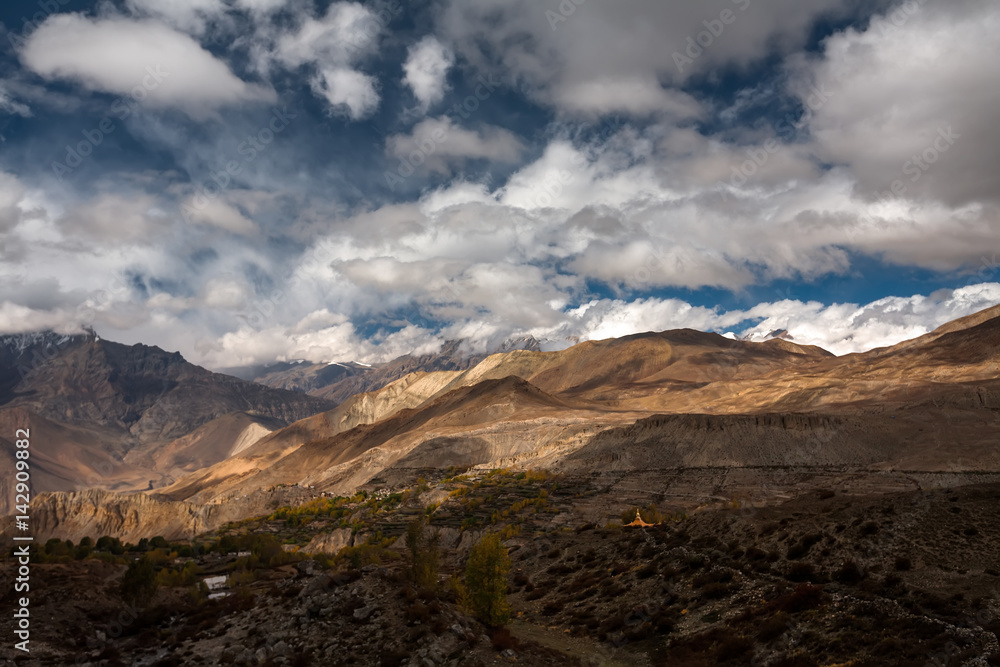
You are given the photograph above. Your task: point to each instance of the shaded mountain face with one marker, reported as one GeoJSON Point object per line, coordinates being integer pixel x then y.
{"type": "Point", "coordinates": [106, 415]}
{"type": "Point", "coordinates": [339, 381]}
{"type": "Point", "coordinates": [151, 394]}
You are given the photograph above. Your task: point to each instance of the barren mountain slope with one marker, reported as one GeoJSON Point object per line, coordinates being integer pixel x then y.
{"type": "Point", "coordinates": [108, 415]}
{"type": "Point", "coordinates": [636, 378]}
{"type": "Point", "coordinates": [488, 422]}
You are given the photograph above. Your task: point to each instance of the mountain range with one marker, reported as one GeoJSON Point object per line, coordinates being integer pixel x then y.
{"type": "Point", "coordinates": [691, 417]}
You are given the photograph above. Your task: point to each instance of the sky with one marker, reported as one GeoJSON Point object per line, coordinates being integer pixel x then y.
{"type": "Point", "coordinates": [248, 181]}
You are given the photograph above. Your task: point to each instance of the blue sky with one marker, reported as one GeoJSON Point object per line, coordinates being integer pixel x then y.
{"type": "Point", "coordinates": [254, 180]}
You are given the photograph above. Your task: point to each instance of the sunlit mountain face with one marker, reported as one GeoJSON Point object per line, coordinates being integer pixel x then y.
{"type": "Point", "coordinates": [260, 182]}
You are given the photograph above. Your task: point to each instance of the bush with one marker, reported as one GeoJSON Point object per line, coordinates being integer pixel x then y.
{"type": "Point", "coordinates": [802, 547]}
{"type": "Point", "coordinates": [732, 648]}
{"type": "Point", "coordinates": [486, 571]}
{"type": "Point", "coordinates": [716, 590]}
{"type": "Point", "coordinates": [800, 572]}
{"type": "Point", "coordinates": [849, 573]}
{"type": "Point", "coordinates": [773, 627]}
{"type": "Point", "coordinates": [869, 528]}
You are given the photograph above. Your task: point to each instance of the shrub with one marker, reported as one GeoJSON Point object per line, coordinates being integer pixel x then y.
{"type": "Point", "coordinates": [869, 528]}
{"type": "Point", "coordinates": [773, 627]}
{"type": "Point", "coordinates": [486, 571]}
{"type": "Point", "coordinates": [802, 547]}
{"type": "Point", "coordinates": [803, 598]}
{"type": "Point", "coordinates": [849, 573]}
{"type": "Point", "coordinates": [732, 648]}
{"type": "Point", "coordinates": [716, 590]}
{"type": "Point", "coordinates": [801, 572]}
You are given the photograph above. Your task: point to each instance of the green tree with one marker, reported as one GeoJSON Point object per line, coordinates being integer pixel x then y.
{"type": "Point", "coordinates": [424, 554]}
{"type": "Point", "coordinates": [56, 547]}
{"type": "Point", "coordinates": [139, 583]}
{"type": "Point", "coordinates": [486, 573]}
{"type": "Point", "coordinates": [112, 544]}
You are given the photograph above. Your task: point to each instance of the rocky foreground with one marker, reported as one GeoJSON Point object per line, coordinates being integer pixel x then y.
{"type": "Point", "coordinates": [828, 578]}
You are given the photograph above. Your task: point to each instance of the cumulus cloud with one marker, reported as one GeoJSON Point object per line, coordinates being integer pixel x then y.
{"type": "Point", "coordinates": [846, 328]}
{"type": "Point", "coordinates": [905, 102]}
{"type": "Point", "coordinates": [348, 89]}
{"type": "Point", "coordinates": [338, 342]}
{"type": "Point", "coordinates": [603, 57]}
{"type": "Point", "coordinates": [426, 70]}
{"type": "Point", "coordinates": [153, 64]}
{"type": "Point", "coordinates": [438, 145]}
{"type": "Point", "coordinates": [841, 328]}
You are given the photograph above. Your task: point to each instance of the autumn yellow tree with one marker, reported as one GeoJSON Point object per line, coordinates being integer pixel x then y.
{"type": "Point", "coordinates": [485, 591]}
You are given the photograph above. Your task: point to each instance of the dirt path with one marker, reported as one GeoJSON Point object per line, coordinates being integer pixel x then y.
{"type": "Point", "coordinates": [587, 650]}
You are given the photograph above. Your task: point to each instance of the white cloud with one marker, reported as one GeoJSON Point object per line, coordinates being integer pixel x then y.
{"type": "Point", "coordinates": [332, 46]}
{"type": "Point", "coordinates": [348, 89]}
{"type": "Point", "coordinates": [846, 328]}
{"type": "Point", "coordinates": [338, 342]}
{"type": "Point", "coordinates": [437, 145]}
{"type": "Point", "coordinates": [221, 214]}
{"type": "Point", "coordinates": [599, 58]}
{"type": "Point", "coordinates": [911, 101]}
{"type": "Point", "coordinates": [145, 60]}
{"type": "Point", "coordinates": [650, 204]}
{"type": "Point", "coordinates": [426, 68]}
